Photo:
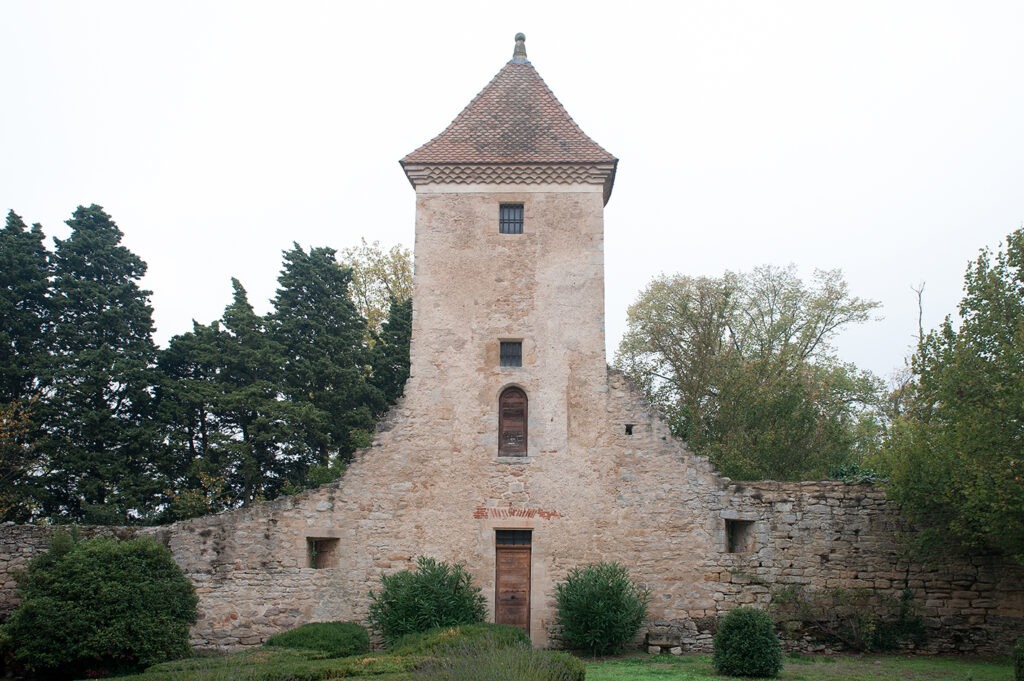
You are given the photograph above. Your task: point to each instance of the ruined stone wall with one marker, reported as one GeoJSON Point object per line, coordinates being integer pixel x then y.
{"type": "Point", "coordinates": [639, 498]}
{"type": "Point", "coordinates": [20, 543]}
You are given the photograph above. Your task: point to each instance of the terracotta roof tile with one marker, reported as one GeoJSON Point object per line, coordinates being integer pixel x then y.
{"type": "Point", "coordinates": [515, 119]}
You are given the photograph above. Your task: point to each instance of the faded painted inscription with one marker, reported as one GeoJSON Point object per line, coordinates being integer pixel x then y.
{"type": "Point", "coordinates": [484, 512]}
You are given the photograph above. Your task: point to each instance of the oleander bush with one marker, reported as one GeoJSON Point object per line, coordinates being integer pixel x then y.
{"type": "Point", "coordinates": [95, 606]}
{"type": "Point", "coordinates": [600, 608]}
{"type": "Point", "coordinates": [334, 639]}
{"type": "Point", "coordinates": [435, 594]}
{"type": "Point", "coordinates": [746, 645]}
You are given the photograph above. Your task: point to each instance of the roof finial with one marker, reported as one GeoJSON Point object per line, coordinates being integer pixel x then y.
{"type": "Point", "coordinates": [519, 56]}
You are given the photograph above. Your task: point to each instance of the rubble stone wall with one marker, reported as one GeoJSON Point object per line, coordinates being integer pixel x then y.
{"type": "Point", "coordinates": [701, 543]}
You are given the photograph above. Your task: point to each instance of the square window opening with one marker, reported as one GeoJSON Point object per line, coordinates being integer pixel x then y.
{"type": "Point", "coordinates": [739, 536]}
{"type": "Point", "coordinates": [510, 218]}
{"type": "Point", "coordinates": [511, 353]}
{"type": "Point", "coordinates": [323, 552]}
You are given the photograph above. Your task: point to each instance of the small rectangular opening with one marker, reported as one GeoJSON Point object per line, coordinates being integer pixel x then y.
{"type": "Point", "coordinates": [511, 353]}
{"type": "Point", "coordinates": [510, 218]}
{"type": "Point", "coordinates": [323, 552]}
{"type": "Point", "coordinates": [739, 536]}
{"type": "Point", "coordinates": [513, 537]}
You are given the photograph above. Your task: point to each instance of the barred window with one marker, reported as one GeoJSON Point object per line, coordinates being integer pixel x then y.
{"type": "Point", "coordinates": [510, 218]}
{"type": "Point", "coordinates": [511, 353]}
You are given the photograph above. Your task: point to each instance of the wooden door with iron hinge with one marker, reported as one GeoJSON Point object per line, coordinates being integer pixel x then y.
{"type": "Point", "coordinates": [512, 581]}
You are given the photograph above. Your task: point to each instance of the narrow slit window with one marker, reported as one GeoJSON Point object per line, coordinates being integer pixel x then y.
{"type": "Point", "coordinates": [510, 218]}
{"type": "Point", "coordinates": [511, 353]}
{"type": "Point", "coordinates": [512, 413]}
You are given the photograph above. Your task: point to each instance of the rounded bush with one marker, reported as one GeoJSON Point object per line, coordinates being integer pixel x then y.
{"type": "Point", "coordinates": [435, 594]}
{"type": "Point", "coordinates": [333, 639]}
{"type": "Point", "coordinates": [600, 608]}
{"type": "Point", "coordinates": [746, 644]}
{"type": "Point", "coordinates": [99, 605]}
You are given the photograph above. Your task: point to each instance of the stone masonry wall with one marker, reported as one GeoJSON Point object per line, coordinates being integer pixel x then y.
{"type": "Point", "coordinates": [642, 499]}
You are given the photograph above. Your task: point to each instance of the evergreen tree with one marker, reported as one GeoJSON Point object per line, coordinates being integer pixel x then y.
{"type": "Point", "coordinates": [255, 419]}
{"type": "Point", "coordinates": [327, 362]}
{"type": "Point", "coordinates": [196, 464]}
{"type": "Point", "coordinates": [391, 351]}
{"type": "Point", "coordinates": [24, 308]}
{"type": "Point", "coordinates": [98, 400]}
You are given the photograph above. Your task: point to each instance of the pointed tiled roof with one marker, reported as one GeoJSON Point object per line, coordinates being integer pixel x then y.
{"type": "Point", "coordinates": [515, 119]}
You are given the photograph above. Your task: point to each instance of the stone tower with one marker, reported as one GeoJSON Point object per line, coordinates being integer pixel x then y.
{"type": "Point", "coordinates": [508, 326]}
{"type": "Point", "coordinates": [508, 354]}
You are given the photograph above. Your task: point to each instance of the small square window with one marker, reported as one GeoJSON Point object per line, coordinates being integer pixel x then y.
{"type": "Point", "coordinates": [511, 353]}
{"type": "Point", "coordinates": [739, 536]}
{"type": "Point", "coordinates": [510, 218]}
{"type": "Point", "coordinates": [323, 552]}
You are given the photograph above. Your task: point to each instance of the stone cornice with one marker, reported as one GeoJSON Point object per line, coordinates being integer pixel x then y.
{"type": "Point", "coordinates": [512, 173]}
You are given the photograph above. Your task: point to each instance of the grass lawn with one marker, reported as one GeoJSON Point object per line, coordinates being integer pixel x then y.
{"type": "Point", "coordinates": [819, 668]}
{"type": "Point", "coordinates": [292, 665]}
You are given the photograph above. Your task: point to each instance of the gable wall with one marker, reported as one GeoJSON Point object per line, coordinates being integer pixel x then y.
{"type": "Point", "coordinates": [642, 500]}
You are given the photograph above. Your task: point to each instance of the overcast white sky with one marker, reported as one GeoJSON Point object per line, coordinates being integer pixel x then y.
{"type": "Point", "coordinates": [885, 138]}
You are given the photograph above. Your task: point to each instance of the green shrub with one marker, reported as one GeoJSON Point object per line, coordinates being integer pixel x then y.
{"type": "Point", "coordinates": [480, 659]}
{"type": "Point", "coordinates": [439, 641]}
{"type": "Point", "coordinates": [746, 644]}
{"type": "Point", "coordinates": [435, 594]}
{"type": "Point", "coordinates": [335, 639]}
{"type": "Point", "coordinates": [93, 606]}
{"type": "Point", "coordinates": [600, 608]}
{"type": "Point", "coordinates": [1018, 660]}
{"type": "Point", "coordinates": [278, 664]}
{"type": "Point", "coordinates": [857, 619]}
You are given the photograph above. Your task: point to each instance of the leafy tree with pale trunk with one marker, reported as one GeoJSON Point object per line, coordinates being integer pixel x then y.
{"type": "Point", "coordinates": [742, 366]}
{"type": "Point", "coordinates": [378, 278]}
{"type": "Point", "coordinates": [955, 455]}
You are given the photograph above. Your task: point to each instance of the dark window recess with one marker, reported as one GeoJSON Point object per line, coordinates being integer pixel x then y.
{"type": "Point", "coordinates": [511, 353]}
{"type": "Point", "coordinates": [512, 415]}
{"type": "Point", "coordinates": [513, 537]}
{"type": "Point", "coordinates": [510, 218]}
{"type": "Point", "coordinates": [739, 536]}
{"type": "Point", "coordinates": [629, 429]}
{"type": "Point", "coordinates": [323, 553]}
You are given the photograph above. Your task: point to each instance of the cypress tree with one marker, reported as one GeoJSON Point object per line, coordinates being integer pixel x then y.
{"type": "Point", "coordinates": [327, 360]}
{"type": "Point", "coordinates": [391, 352]}
{"type": "Point", "coordinates": [98, 401]}
{"type": "Point", "coordinates": [254, 415]}
{"type": "Point", "coordinates": [25, 311]}
{"type": "Point", "coordinates": [24, 308]}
